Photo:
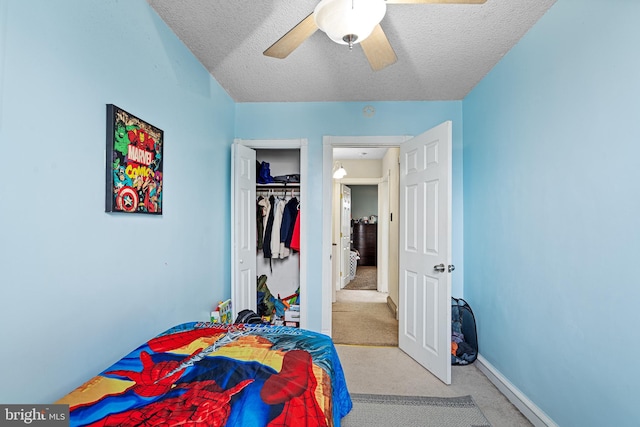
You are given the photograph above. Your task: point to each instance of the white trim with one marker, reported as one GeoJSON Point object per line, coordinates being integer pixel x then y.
{"type": "Point", "coordinates": [275, 144]}
{"type": "Point", "coordinates": [532, 412]}
{"type": "Point", "coordinates": [365, 141]}
{"type": "Point", "coordinates": [328, 142]}
{"type": "Point", "coordinates": [383, 236]}
{"type": "Point", "coordinates": [233, 234]}
{"type": "Point", "coordinates": [360, 181]}
{"type": "Point", "coordinates": [303, 145]}
{"type": "Point", "coordinates": [383, 227]}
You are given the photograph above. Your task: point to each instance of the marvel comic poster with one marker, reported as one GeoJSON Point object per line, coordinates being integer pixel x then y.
{"type": "Point", "coordinates": [134, 164]}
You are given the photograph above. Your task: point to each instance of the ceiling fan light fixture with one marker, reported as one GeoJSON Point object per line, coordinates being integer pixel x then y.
{"type": "Point", "coordinates": [349, 21]}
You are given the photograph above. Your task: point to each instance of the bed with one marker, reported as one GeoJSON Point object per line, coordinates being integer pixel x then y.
{"type": "Point", "coordinates": [209, 374]}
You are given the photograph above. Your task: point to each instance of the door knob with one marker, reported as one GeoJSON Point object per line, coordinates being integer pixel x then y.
{"type": "Point", "coordinates": [451, 268]}
{"type": "Point", "coordinates": [439, 268]}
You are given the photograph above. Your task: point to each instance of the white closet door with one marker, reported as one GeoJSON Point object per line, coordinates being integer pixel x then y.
{"type": "Point", "coordinates": [243, 220]}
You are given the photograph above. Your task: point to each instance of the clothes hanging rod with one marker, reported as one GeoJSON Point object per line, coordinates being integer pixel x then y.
{"type": "Point", "coordinates": [276, 185]}
{"type": "Point", "coordinates": [277, 193]}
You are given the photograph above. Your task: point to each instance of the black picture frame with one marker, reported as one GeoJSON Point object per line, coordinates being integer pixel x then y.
{"type": "Point", "coordinates": [134, 164]}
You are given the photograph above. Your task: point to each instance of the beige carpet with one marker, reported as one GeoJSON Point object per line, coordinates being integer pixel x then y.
{"type": "Point", "coordinates": [364, 323]}
{"type": "Point", "coordinates": [366, 278]}
{"type": "Point", "coordinates": [388, 370]}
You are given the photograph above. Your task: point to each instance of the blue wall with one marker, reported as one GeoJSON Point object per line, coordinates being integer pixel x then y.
{"type": "Point", "coordinates": [314, 120]}
{"type": "Point", "coordinates": [551, 213]}
{"type": "Point", "coordinates": [551, 198]}
{"type": "Point", "coordinates": [79, 287]}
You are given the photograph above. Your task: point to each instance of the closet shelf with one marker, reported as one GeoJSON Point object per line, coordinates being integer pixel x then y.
{"type": "Point", "coordinates": [279, 185]}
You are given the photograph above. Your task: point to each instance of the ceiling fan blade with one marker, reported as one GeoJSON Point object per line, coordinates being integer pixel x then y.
{"type": "Point", "coordinates": [378, 49]}
{"type": "Point", "coordinates": [435, 1]}
{"type": "Point", "coordinates": [294, 38]}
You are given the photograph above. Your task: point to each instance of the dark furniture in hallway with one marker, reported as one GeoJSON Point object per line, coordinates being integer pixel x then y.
{"type": "Point", "coordinates": [365, 240]}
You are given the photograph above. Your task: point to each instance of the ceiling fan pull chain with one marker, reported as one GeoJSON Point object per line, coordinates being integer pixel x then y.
{"type": "Point", "coordinates": [350, 38]}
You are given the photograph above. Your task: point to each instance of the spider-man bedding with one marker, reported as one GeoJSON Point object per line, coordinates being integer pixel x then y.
{"type": "Point", "coordinates": [208, 374]}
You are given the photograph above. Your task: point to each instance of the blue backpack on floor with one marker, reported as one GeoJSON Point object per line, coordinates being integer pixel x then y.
{"type": "Point", "coordinates": [464, 337]}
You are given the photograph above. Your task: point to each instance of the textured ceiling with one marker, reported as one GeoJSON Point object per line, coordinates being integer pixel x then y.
{"type": "Point", "coordinates": [443, 50]}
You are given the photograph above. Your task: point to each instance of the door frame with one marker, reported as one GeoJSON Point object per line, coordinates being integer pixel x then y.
{"type": "Point", "coordinates": [383, 224]}
{"type": "Point", "coordinates": [328, 143]}
{"type": "Point", "coordinates": [345, 259]}
{"type": "Point", "coordinates": [282, 144]}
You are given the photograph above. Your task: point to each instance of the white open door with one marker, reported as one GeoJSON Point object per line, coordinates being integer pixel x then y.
{"type": "Point", "coordinates": [345, 236]}
{"type": "Point", "coordinates": [425, 250]}
{"type": "Point", "coordinates": [243, 231]}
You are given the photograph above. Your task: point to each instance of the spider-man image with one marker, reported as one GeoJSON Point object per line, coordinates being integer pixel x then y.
{"type": "Point", "coordinates": [188, 377]}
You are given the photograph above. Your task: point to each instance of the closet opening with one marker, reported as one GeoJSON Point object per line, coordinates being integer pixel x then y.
{"type": "Point", "coordinates": [281, 268]}
{"type": "Point", "coordinates": [278, 204]}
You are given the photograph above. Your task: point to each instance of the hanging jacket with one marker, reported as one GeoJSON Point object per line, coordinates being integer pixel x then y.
{"type": "Point", "coordinates": [261, 213]}
{"type": "Point", "coordinates": [266, 243]}
{"type": "Point", "coordinates": [288, 222]}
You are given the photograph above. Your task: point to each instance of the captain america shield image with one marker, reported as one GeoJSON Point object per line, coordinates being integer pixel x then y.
{"type": "Point", "coordinates": [127, 199]}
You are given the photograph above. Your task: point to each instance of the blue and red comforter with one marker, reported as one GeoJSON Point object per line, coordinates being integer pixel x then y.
{"type": "Point", "coordinates": [208, 374]}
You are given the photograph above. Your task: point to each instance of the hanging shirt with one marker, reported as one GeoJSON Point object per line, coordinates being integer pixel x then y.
{"type": "Point", "coordinates": [295, 238]}
{"type": "Point", "coordinates": [275, 230]}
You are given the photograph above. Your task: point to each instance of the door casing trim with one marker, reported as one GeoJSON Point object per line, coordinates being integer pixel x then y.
{"type": "Point", "coordinates": [302, 145]}
{"type": "Point", "coordinates": [328, 143]}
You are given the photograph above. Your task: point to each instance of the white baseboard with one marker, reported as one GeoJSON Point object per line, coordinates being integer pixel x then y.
{"type": "Point", "coordinates": [534, 414]}
{"type": "Point", "coordinates": [393, 307]}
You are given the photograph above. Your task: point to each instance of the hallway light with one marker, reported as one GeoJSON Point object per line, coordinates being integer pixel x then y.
{"type": "Point", "coordinates": [340, 172]}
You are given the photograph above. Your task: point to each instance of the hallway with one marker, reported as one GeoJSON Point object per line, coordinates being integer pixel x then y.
{"type": "Point", "coordinates": [362, 317]}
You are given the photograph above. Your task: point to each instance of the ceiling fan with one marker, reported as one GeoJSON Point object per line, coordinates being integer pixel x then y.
{"type": "Point", "coordinates": [350, 22]}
